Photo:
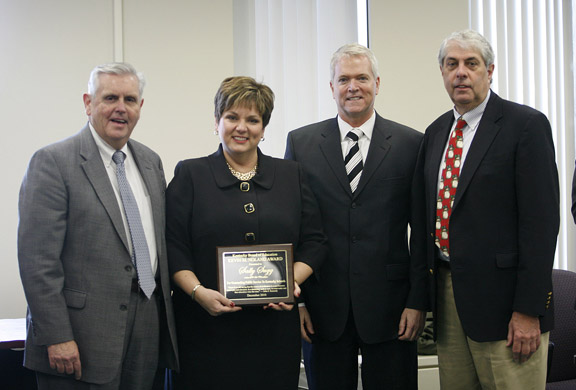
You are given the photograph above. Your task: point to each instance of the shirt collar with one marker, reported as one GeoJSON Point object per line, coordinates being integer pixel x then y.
{"type": "Point", "coordinates": [473, 117]}
{"type": "Point", "coordinates": [105, 150]}
{"type": "Point", "coordinates": [366, 127]}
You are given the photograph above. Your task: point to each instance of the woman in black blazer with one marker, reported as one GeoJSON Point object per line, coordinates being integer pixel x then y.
{"type": "Point", "coordinates": [238, 196]}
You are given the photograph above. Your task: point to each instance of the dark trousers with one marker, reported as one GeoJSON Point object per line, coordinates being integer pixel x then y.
{"type": "Point", "coordinates": [387, 365]}
{"type": "Point", "coordinates": [307, 356]}
{"type": "Point", "coordinates": [140, 355]}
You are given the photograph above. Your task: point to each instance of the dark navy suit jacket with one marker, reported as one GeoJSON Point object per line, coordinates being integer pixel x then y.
{"type": "Point", "coordinates": [504, 220]}
{"type": "Point", "coordinates": [371, 268]}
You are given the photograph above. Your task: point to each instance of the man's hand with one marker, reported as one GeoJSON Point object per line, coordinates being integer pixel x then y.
{"type": "Point", "coordinates": [523, 336]}
{"type": "Point", "coordinates": [65, 358]}
{"type": "Point", "coordinates": [411, 324]}
{"type": "Point", "coordinates": [285, 306]}
{"type": "Point", "coordinates": [306, 327]}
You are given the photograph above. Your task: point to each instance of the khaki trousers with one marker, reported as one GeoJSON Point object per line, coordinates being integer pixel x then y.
{"type": "Point", "coordinates": [469, 365]}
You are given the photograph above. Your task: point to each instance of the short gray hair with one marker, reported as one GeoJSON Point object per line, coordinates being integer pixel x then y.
{"type": "Point", "coordinates": [468, 39]}
{"type": "Point", "coordinates": [118, 68]}
{"type": "Point", "coordinates": [353, 50]}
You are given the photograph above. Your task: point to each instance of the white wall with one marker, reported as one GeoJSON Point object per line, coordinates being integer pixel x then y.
{"type": "Point", "coordinates": [48, 48]}
{"type": "Point", "coordinates": [185, 49]}
{"type": "Point", "coordinates": [405, 36]}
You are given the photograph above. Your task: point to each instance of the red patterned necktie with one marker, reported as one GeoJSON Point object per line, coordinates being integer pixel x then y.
{"type": "Point", "coordinates": [448, 186]}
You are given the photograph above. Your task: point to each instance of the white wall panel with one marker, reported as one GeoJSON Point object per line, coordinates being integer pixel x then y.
{"type": "Point", "coordinates": [405, 36]}
{"type": "Point", "coordinates": [48, 48]}
{"type": "Point", "coordinates": [185, 49]}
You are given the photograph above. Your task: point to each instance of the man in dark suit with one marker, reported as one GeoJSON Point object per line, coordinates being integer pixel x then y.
{"type": "Point", "coordinates": [93, 261]}
{"type": "Point", "coordinates": [370, 294]}
{"type": "Point", "coordinates": [492, 200]}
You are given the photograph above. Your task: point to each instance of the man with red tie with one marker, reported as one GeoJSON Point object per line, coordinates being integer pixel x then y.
{"type": "Point", "coordinates": [492, 200]}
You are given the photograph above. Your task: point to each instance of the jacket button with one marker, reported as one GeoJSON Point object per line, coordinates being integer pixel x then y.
{"type": "Point", "coordinates": [128, 268]}
{"type": "Point", "coordinates": [249, 237]}
{"type": "Point", "coordinates": [244, 186]}
{"type": "Point", "coordinates": [431, 271]}
{"type": "Point", "coordinates": [249, 208]}
{"type": "Point", "coordinates": [123, 307]}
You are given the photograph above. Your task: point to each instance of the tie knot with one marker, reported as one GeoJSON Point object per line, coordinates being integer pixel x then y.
{"type": "Point", "coordinates": [460, 124]}
{"type": "Point", "coordinates": [118, 157]}
{"type": "Point", "coordinates": [354, 134]}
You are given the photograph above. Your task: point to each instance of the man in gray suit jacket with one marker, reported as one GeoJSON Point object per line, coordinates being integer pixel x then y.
{"type": "Point", "coordinates": [90, 324]}
{"type": "Point", "coordinates": [370, 294]}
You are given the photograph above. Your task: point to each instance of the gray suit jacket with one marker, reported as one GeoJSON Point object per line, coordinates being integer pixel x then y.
{"type": "Point", "coordinates": [74, 259]}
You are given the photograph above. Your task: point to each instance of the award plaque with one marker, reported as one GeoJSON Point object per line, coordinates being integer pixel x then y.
{"type": "Point", "coordinates": [256, 274]}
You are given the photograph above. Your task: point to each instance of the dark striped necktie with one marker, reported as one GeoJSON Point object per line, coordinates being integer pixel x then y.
{"type": "Point", "coordinates": [353, 160]}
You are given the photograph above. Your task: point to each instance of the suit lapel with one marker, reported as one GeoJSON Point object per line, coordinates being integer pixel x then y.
{"type": "Point", "coordinates": [331, 148]}
{"type": "Point", "coordinates": [485, 134]}
{"type": "Point", "coordinates": [379, 148]}
{"type": "Point", "coordinates": [98, 177]}
{"type": "Point", "coordinates": [436, 147]}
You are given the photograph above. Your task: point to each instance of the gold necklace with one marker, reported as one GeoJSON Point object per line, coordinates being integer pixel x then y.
{"type": "Point", "coordinates": [243, 176]}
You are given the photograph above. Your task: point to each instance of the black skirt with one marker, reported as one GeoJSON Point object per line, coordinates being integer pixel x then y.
{"type": "Point", "coordinates": [249, 349]}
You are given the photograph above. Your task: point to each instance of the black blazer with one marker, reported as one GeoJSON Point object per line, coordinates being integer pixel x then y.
{"type": "Point", "coordinates": [205, 208]}
{"type": "Point", "coordinates": [370, 267]}
{"type": "Point", "coordinates": [504, 221]}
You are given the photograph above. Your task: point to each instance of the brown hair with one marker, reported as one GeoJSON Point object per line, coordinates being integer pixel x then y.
{"type": "Point", "coordinates": [246, 92]}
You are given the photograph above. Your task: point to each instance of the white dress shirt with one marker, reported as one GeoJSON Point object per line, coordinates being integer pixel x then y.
{"type": "Point", "coordinates": [138, 189]}
{"type": "Point", "coordinates": [363, 142]}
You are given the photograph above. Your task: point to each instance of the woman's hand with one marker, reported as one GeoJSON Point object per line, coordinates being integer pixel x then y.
{"type": "Point", "coordinates": [213, 302]}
